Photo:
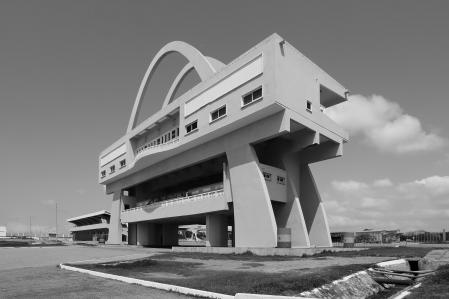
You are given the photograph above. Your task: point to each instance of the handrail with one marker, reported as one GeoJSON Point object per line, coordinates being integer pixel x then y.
{"type": "Point", "coordinates": [170, 202]}
{"type": "Point", "coordinates": [142, 148]}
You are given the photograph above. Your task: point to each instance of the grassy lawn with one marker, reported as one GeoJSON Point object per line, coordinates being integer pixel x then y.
{"type": "Point", "coordinates": [51, 282]}
{"type": "Point", "coordinates": [27, 243]}
{"type": "Point", "coordinates": [399, 252]}
{"type": "Point", "coordinates": [227, 282]}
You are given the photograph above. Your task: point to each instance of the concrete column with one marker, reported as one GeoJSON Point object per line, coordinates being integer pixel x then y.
{"type": "Point", "coordinates": [227, 183]}
{"type": "Point", "coordinates": [217, 230]}
{"type": "Point", "coordinates": [255, 225]}
{"type": "Point", "coordinates": [313, 209]}
{"type": "Point", "coordinates": [132, 234]}
{"type": "Point", "coordinates": [115, 224]}
{"type": "Point", "coordinates": [290, 215]}
{"type": "Point", "coordinates": [169, 234]}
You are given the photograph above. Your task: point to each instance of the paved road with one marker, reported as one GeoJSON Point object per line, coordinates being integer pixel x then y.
{"type": "Point", "coordinates": [32, 273]}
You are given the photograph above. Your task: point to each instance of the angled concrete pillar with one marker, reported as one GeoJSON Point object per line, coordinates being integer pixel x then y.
{"type": "Point", "coordinates": [290, 215]}
{"type": "Point", "coordinates": [217, 230]}
{"type": "Point", "coordinates": [115, 223]}
{"type": "Point", "coordinates": [255, 225]}
{"type": "Point", "coordinates": [314, 214]}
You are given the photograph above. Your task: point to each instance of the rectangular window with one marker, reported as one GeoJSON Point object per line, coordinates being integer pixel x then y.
{"type": "Point", "coordinates": [267, 176]}
{"type": "Point", "coordinates": [192, 126]}
{"type": "Point", "coordinates": [309, 106]}
{"type": "Point", "coordinates": [173, 134]}
{"type": "Point", "coordinates": [103, 173]}
{"type": "Point", "coordinates": [251, 97]}
{"type": "Point", "coordinates": [218, 113]}
{"type": "Point", "coordinates": [159, 141]}
{"type": "Point", "coordinates": [112, 169]}
{"type": "Point", "coordinates": [122, 163]}
{"type": "Point", "coordinates": [281, 180]}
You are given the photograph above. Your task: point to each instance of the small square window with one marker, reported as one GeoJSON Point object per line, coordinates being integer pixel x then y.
{"type": "Point", "coordinates": [251, 97]}
{"type": "Point", "coordinates": [112, 169]}
{"type": "Point", "coordinates": [218, 113]}
{"type": "Point", "coordinates": [281, 180]}
{"type": "Point", "coordinates": [309, 106]}
{"type": "Point", "coordinates": [122, 163]}
{"type": "Point", "coordinates": [267, 176]}
{"type": "Point", "coordinates": [103, 173]}
{"type": "Point", "coordinates": [192, 126]}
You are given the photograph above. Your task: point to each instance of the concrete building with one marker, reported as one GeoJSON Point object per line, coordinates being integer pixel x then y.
{"type": "Point", "coordinates": [90, 227]}
{"type": "Point", "coordinates": [234, 150]}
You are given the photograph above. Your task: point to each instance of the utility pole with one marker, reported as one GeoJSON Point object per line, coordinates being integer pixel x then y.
{"type": "Point", "coordinates": [56, 220]}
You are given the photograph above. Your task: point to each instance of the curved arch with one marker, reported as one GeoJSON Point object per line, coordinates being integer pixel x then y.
{"type": "Point", "coordinates": [217, 64]}
{"type": "Point", "coordinates": [203, 66]}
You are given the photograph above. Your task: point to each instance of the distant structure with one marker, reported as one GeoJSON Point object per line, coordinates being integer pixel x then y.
{"type": "Point", "coordinates": [2, 231]}
{"type": "Point", "coordinates": [234, 150]}
{"type": "Point", "coordinates": [91, 227]}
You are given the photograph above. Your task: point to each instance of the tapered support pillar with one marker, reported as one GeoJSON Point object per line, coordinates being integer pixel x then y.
{"type": "Point", "coordinates": [291, 215]}
{"type": "Point", "coordinates": [217, 230]}
{"type": "Point", "coordinates": [314, 214]}
{"type": "Point", "coordinates": [115, 223]}
{"type": "Point", "coordinates": [255, 225]}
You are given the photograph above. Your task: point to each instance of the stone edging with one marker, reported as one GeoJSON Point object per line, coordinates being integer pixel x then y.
{"type": "Point", "coordinates": [151, 284]}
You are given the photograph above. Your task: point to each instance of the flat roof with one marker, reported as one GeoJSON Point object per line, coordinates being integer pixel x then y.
{"type": "Point", "coordinates": [99, 213]}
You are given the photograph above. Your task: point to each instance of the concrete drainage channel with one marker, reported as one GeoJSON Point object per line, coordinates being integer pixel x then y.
{"type": "Point", "coordinates": [362, 284]}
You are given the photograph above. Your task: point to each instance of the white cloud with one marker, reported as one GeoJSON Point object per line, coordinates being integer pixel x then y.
{"type": "Point", "coordinates": [384, 125]}
{"type": "Point", "coordinates": [383, 183]}
{"type": "Point", "coordinates": [419, 204]}
{"type": "Point", "coordinates": [370, 202]}
{"type": "Point", "coordinates": [349, 186]}
{"type": "Point", "coordinates": [434, 186]}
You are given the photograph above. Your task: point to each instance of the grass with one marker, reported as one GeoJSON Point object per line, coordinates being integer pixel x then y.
{"type": "Point", "coordinates": [399, 252]}
{"type": "Point", "coordinates": [227, 282]}
{"type": "Point", "coordinates": [434, 286]}
{"type": "Point", "coordinates": [51, 282]}
{"type": "Point", "coordinates": [28, 243]}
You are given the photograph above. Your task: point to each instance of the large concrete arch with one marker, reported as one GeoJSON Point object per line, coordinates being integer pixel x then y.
{"type": "Point", "coordinates": [218, 65]}
{"type": "Point", "coordinates": [199, 62]}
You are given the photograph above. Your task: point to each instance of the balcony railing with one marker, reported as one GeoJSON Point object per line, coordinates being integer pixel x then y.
{"type": "Point", "coordinates": [180, 200]}
{"type": "Point", "coordinates": [147, 146]}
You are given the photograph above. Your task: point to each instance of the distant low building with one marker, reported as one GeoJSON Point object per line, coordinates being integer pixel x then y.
{"type": "Point", "coordinates": [369, 236]}
{"type": "Point", "coordinates": [2, 231]}
{"type": "Point", "coordinates": [91, 227]}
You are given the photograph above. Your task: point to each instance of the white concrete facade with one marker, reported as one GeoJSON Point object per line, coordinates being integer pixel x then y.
{"type": "Point", "coordinates": [234, 150]}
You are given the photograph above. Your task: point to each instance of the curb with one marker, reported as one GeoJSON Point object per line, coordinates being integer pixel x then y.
{"type": "Point", "coordinates": [151, 284]}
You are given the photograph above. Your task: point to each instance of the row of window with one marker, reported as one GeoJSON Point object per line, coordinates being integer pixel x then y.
{"type": "Point", "coordinates": [112, 168]}
{"type": "Point", "coordinates": [218, 113]}
{"type": "Point", "coordinates": [164, 138]}
{"type": "Point", "coordinates": [280, 179]}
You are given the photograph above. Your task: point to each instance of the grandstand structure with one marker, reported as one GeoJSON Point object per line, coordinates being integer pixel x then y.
{"type": "Point", "coordinates": [233, 151]}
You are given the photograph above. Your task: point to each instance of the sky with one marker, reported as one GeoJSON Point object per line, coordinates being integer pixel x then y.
{"type": "Point", "coordinates": [70, 71]}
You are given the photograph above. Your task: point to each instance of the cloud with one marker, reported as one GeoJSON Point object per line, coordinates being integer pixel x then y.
{"type": "Point", "coordinates": [384, 125]}
{"type": "Point", "coordinates": [349, 186]}
{"type": "Point", "coordinates": [433, 186]}
{"type": "Point", "coordinates": [418, 204]}
{"type": "Point", "coordinates": [383, 183]}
